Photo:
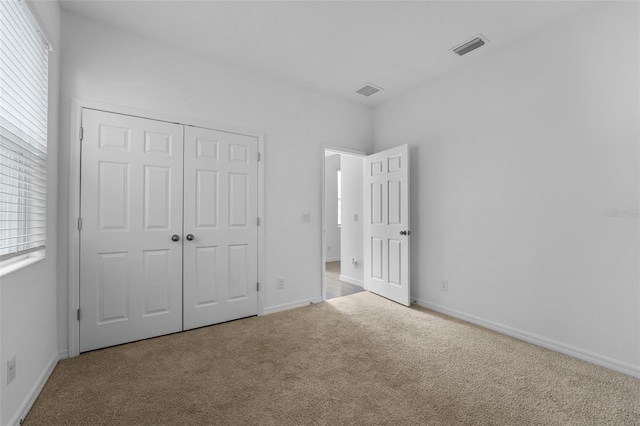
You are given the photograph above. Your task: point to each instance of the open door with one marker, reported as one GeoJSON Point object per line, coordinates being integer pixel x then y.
{"type": "Point", "coordinates": [386, 214]}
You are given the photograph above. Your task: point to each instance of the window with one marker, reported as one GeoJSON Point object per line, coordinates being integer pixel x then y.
{"type": "Point", "coordinates": [339, 198]}
{"type": "Point", "coordinates": [24, 55]}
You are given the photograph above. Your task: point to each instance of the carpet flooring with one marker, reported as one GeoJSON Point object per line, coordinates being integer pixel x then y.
{"type": "Point", "coordinates": [333, 286]}
{"type": "Point", "coordinates": [355, 360]}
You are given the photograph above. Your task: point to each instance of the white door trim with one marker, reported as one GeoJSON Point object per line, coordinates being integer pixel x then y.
{"type": "Point", "coordinates": [323, 258]}
{"type": "Point", "coordinates": [77, 106]}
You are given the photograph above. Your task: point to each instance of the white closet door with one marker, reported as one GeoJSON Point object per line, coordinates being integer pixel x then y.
{"type": "Point", "coordinates": [131, 270]}
{"type": "Point", "coordinates": [386, 262]}
{"type": "Point", "coordinates": [220, 213]}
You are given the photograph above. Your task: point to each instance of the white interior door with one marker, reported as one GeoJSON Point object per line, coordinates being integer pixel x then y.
{"type": "Point", "coordinates": [220, 225]}
{"type": "Point", "coordinates": [131, 192]}
{"type": "Point", "coordinates": [386, 256]}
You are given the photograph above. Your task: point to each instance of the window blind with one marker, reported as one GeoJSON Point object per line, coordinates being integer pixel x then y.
{"type": "Point", "coordinates": [24, 56]}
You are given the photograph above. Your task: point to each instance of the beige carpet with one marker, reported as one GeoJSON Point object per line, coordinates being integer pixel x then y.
{"type": "Point", "coordinates": [356, 360]}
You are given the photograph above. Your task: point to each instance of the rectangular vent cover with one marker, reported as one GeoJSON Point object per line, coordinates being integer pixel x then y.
{"type": "Point", "coordinates": [368, 89]}
{"type": "Point", "coordinates": [470, 45]}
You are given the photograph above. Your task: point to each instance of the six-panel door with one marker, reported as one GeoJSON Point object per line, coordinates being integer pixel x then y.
{"type": "Point", "coordinates": [131, 194]}
{"type": "Point", "coordinates": [386, 263]}
{"type": "Point", "coordinates": [220, 204]}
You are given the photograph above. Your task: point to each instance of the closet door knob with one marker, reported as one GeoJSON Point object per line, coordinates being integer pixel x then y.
{"type": "Point", "coordinates": [190, 237]}
{"type": "Point", "coordinates": [405, 232]}
{"type": "Point", "coordinates": [175, 237]}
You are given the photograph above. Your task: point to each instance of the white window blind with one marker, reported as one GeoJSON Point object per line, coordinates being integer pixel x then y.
{"type": "Point", "coordinates": [24, 56]}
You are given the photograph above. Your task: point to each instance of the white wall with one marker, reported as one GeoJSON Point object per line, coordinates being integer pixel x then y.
{"type": "Point", "coordinates": [515, 159]}
{"type": "Point", "coordinates": [332, 230]}
{"type": "Point", "coordinates": [28, 296]}
{"type": "Point", "coordinates": [104, 64]}
{"type": "Point", "coordinates": [352, 231]}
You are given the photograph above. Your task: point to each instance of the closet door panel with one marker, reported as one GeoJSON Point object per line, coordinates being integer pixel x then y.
{"type": "Point", "coordinates": [220, 211]}
{"type": "Point", "coordinates": [131, 196]}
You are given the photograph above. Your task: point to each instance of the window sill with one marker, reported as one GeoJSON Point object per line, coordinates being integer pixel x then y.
{"type": "Point", "coordinates": [13, 265]}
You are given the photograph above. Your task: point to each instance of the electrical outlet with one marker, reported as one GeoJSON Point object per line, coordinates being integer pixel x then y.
{"type": "Point", "coordinates": [445, 286]}
{"type": "Point", "coordinates": [355, 217]}
{"type": "Point", "coordinates": [328, 248]}
{"type": "Point", "coordinates": [306, 217]}
{"type": "Point", "coordinates": [11, 370]}
{"type": "Point", "coordinates": [280, 283]}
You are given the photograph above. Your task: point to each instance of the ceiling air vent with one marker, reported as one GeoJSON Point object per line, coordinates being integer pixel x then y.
{"type": "Point", "coordinates": [468, 46]}
{"type": "Point", "coordinates": [368, 89]}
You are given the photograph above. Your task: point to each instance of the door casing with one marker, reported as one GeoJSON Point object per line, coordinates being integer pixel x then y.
{"type": "Point", "coordinates": [74, 199]}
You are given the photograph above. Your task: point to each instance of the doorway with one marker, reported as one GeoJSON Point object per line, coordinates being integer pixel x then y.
{"type": "Point", "coordinates": [343, 273]}
{"type": "Point", "coordinates": [369, 199]}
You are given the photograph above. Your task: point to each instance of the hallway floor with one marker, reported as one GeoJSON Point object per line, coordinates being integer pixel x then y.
{"type": "Point", "coordinates": [335, 287]}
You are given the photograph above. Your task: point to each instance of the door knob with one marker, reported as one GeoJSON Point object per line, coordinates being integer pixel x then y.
{"type": "Point", "coordinates": [405, 232]}
{"type": "Point", "coordinates": [175, 237]}
{"type": "Point", "coordinates": [190, 237]}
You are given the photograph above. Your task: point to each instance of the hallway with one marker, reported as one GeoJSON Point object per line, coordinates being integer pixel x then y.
{"type": "Point", "coordinates": [335, 287]}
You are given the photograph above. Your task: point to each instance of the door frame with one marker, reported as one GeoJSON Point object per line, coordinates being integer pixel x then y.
{"type": "Point", "coordinates": [323, 254]}
{"type": "Point", "coordinates": [77, 105]}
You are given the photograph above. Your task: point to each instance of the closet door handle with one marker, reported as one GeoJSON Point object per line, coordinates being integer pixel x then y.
{"type": "Point", "coordinates": [175, 237]}
{"type": "Point", "coordinates": [190, 237]}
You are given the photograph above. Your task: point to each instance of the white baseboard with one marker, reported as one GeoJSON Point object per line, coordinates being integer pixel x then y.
{"type": "Point", "coordinates": [332, 259]}
{"type": "Point", "coordinates": [292, 305]}
{"type": "Point", "coordinates": [604, 361]}
{"type": "Point", "coordinates": [350, 280]}
{"type": "Point", "coordinates": [34, 392]}
{"type": "Point", "coordinates": [63, 355]}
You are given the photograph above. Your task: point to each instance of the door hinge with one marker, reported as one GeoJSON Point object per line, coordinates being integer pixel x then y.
{"type": "Point", "coordinates": [259, 156]}
{"type": "Point", "coordinates": [257, 286]}
{"type": "Point", "coordinates": [258, 221]}
{"type": "Point", "coordinates": [79, 224]}
{"type": "Point", "coordinates": [78, 314]}
{"type": "Point", "coordinates": [81, 133]}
